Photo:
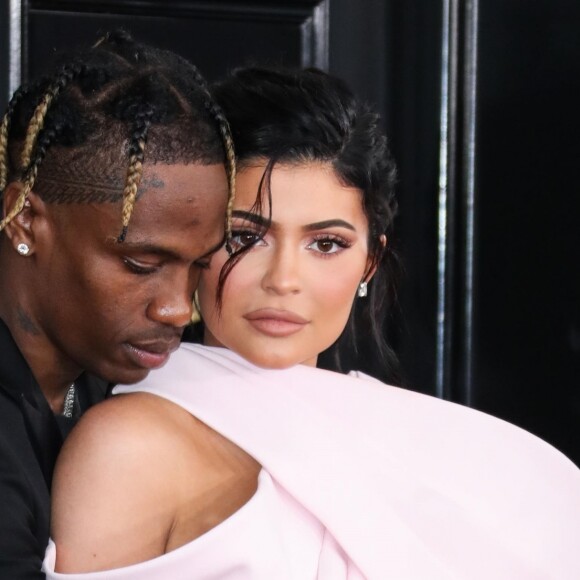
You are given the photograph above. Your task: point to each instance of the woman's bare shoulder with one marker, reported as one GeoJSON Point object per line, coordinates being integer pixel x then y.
{"type": "Point", "coordinates": [140, 476]}
{"type": "Point", "coordinates": [133, 415]}
{"type": "Point", "coordinates": [120, 481]}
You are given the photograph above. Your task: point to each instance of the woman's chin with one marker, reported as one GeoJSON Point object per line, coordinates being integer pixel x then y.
{"type": "Point", "coordinates": [272, 361]}
{"type": "Point", "coordinates": [275, 365]}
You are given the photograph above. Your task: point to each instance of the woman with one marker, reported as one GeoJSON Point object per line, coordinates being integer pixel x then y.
{"type": "Point", "coordinates": [248, 461]}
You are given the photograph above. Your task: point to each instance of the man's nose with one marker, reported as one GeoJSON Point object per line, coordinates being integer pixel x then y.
{"type": "Point", "coordinates": [172, 304]}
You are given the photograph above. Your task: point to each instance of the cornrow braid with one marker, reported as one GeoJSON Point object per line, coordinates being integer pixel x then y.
{"type": "Point", "coordinates": [35, 127]}
{"type": "Point", "coordinates": [4, 129]}
{"type": "Point", "coordinates": [107, 111]}
{"type": "Point", "coordinates": [44, 141]}
{"type": "Point", "coordinates": [226, 134]}
{"type": "Point", "coordinates": [19, 205]}
{"type": "Point", "coordinates": [67, 74]}
{"type": "Point", "coordinates": [135, 170]}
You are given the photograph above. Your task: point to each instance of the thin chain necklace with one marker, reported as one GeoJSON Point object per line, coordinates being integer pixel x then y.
{"type": "Point", "coordinates": [69, 402]}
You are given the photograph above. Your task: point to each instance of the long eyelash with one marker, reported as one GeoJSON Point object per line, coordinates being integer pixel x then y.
{"type": "Point", "coordinates": [247, 232]}
{"type": "Point", "coordinates": [239, 232]}
{"type": "Point", "coordinates": [332, 238]}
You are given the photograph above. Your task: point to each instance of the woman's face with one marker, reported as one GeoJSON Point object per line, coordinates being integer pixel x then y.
{"type": "Point", "coordinates": [290, 295]}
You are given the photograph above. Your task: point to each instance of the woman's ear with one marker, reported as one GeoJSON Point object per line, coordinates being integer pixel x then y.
{"type": "Point", "coordinates": [373, 261]}
{"type": "Point", "coordinates": [20, 230]}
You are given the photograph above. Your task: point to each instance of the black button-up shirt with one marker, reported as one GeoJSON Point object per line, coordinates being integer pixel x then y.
{"type": "Point", "coordinates": [30, 439]}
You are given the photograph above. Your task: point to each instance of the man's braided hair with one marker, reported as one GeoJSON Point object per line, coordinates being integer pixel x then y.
{"type": "Point", "coordinates": [99, 116]}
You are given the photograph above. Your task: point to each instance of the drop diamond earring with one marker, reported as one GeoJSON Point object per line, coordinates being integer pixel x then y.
{"type": "Point", "coordinates": [23, 249]}
{"type": "Point", "coordinates": [362, 290]}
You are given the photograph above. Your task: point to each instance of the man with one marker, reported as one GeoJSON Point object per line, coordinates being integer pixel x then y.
{"type": "Point", "coordinates": [114, 194]}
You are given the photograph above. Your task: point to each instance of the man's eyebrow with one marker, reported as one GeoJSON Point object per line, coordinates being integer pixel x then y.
{"type": "Point", "coordinates": [145, 248]}
{"type": "Point", "coordinates": [156, 250]}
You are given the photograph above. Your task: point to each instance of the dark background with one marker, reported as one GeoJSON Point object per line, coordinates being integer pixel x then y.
{"type": "Point", "coordinates": [480, 101]}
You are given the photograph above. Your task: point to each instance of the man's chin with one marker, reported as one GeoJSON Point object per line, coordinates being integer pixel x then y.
{"type": "Point", "coordinates": [122, 376]}
{"type": "Point", "coordinates": [132, 366]}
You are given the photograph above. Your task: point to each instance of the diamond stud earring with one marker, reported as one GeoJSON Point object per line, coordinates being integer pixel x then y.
{"type": "Point", "coordinates": [362, 290]}
{"type": "Point", "coordinates": [23, 249]}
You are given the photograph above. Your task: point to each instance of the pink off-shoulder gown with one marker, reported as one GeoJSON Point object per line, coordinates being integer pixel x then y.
{"type": "Point", "coordinates": [364, 480]}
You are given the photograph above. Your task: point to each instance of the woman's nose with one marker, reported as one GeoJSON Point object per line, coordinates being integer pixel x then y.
{"type": "Point", "coordinates": [282, 275]}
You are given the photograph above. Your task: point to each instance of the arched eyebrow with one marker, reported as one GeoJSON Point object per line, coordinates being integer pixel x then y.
{"type": "Point", "coordinates": [329, 224]}
{"type": "Point", "coordinates": [250, 217]}
{"type": "Point", "coordinates": [260, 221]}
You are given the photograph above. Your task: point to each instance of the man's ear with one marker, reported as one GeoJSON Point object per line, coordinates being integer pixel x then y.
{"type": "Point", "coordinates": [373, 261]}
{"type": "Point", "coordinates": [21, 229]}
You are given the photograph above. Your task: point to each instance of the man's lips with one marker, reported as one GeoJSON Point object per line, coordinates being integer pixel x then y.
{"type": "Point", "coordinates": [276, 323]}
{"type": "Point", "coordinates": [150, 355]}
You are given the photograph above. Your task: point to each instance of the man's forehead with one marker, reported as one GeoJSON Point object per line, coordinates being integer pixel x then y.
{"type": "Point", "coordinates": [173, 200]}
{"type": "Point", "coordinates": [106, 188]}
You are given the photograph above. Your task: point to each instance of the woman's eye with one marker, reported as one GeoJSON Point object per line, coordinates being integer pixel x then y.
{"type": "Point", "coordinates": [138, 268]}
{"type": "Point", "coordinates": [241, 239]}
{"type": "Point", "coordinates": [328, 245]}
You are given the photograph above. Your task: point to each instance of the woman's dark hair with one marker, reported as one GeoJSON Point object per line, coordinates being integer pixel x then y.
{"type": "Point", "coordinates": [101, 114]}
{"type": "Point", "coordinates": [297, 116]}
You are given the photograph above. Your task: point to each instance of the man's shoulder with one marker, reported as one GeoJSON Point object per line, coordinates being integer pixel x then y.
{"type": "Point", "coordinates": [18, 462]}
{"type": "Point", "coordinates": [14, 437]}
{"type": "Point", "coordinates": [24, 500]}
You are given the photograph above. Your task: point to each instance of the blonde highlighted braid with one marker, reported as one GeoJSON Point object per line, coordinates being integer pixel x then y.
{"type": "Point", "coordinates": [4, 130]}
{"type": "Point", "coordinates": [231, 172]}
{"type": "Point", "coordinates": [34, 128]}
{"type": "Point", "coordinates": [135, 169]}
{"type": "Point", "coordinates": [31, 149]}
{"type": "Point", "coordinates": [228, 144]}
{"type": "Point", "coordinates": [134, 174]}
